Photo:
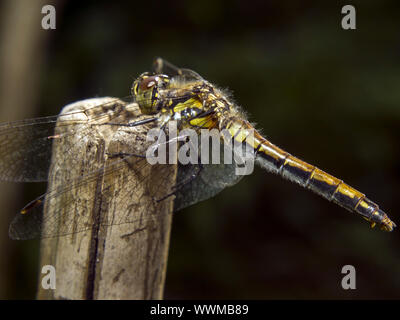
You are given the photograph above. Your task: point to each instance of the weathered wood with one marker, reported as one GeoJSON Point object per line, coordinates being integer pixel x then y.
{"type": "Point", "coordinates": [122, 261]}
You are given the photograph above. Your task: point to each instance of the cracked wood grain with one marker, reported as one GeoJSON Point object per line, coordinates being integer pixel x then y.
{"type": "Point", "coordinates": [121, 260]}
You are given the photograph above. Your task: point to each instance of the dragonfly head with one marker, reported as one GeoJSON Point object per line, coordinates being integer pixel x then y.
{"type": "Point", "coordinates": [146, 88]}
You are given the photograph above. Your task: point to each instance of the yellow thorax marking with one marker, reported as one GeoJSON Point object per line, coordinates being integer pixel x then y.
{"type": "Point", "coordinates": [189, 103]}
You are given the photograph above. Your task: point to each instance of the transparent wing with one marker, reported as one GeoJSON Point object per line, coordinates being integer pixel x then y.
{"type": "Point", "coordinates": [161, 66]}
{"type": "Point", "coordinates": [72, 215]}
{"type": "Point", "coordinates": [25, 146]}
{"type": "Point", "coordinates": [144, 185]}
{"type": "Point", "coordinates": [25, 149]}
{"type": "Point", "coordinates": [203, 182]}
{"type": "Point", "coordinates": [100, 169]}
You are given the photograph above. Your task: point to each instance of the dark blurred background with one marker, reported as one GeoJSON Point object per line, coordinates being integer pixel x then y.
{"type": "Point", "coordinates": [327, 95]}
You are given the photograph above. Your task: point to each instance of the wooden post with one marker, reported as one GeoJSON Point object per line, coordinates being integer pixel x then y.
{"type": "Point", "coordinates": [122, 261]}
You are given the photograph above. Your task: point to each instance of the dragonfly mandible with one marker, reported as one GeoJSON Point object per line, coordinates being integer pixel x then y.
{"type": "Point", "coordinates": [168, 93]}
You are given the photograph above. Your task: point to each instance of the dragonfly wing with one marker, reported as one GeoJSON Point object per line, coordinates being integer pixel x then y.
{"type": "Point", "coordinates": [25, 146]}
{"type": "Point", "coordinates": [72, 209]}
{"type": "Point", "coordinates": [161, 66]}
{"type": "Point", "coordinates": [25, 149]}
{"type": "Point", "coordinates": [200, 183]}
{"type": "Point", "coordinates": [109, 183]}
{"type": "Point", "coordinates": [28, 225]}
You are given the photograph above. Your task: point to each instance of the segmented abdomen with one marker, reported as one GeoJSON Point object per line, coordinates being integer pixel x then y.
{"type": "Point", "coordinates": [308, 176]}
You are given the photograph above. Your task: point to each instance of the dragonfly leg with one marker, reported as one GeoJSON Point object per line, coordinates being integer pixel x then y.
{"type": "Point", "coordinates": [132, 124]}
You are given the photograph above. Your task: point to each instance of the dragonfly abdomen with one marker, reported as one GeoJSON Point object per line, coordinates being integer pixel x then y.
{"type": "Point", "coordinates": [278, 161]}
{"type": "Point", "coordinates": [335, 190]}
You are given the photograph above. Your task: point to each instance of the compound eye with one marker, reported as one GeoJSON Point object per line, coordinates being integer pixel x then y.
{"type": "Point", "coordinates": [148, 83]}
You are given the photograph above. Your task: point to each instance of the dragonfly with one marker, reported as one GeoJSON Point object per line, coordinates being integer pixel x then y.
{"type": "Point", "coordinates": [166, 94]}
